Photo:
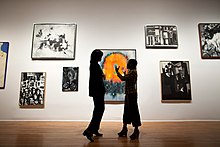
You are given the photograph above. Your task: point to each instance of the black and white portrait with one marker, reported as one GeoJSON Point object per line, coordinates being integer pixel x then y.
{"type": "Point", "coordinates": [175, 80]}
{"type": "Point", "coordinates": [54, 41]}
{"type": "Point", "coordinates": [32, 89]}
{"type": "Point", "coordinates": [161, 36]}
{"type": "Point", "coordinates": [210, 40]}
{"type": "Point", "coordinates": [70, 79]}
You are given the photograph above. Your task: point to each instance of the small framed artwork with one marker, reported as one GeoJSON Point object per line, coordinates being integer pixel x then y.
{"type": "Point", "coordinates": [4, 46]}
{"type": "Point", "coordinates": [70, 79]}
{"type": "Point", "coordinates": [32, 90]}
{"type": "Point", "coordinates": [54, 41]}
{"type": "Point", "coordinates": [209, 35]}
{"type": "Point", "coordinates": [175, 81]}
{"type": "Point", "coordinates": [161, 36]}
{"type": "Point", "coordinates": [115, 88]}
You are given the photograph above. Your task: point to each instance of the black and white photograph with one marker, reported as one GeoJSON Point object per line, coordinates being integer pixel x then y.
{"type": "Point", "coordinates": [161, 36]}
{"type": "Point", "coordinates": [70, 78]}
{"type": "Point", "coordinates": [32, 90]}
{"type": "Point", "coordinates": [175, 81]}
{"type": "Point", "coordinates": [54, 41]}
{"type": "Point", "coordinates": [210, 40]}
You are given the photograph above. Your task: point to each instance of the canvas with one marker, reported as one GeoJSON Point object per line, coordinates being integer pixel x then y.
{"type": "Point", "coordinates": [4, 46]}
{"type": "Point", "coordinates": [54, 41]}
{"type": "Point", "coordinates": [209, 40]}
{"type": "Point", "coordinates": [32, 90]}
{"type": "Point", "coordinates": [70, 78]}
{"type": "Point", "coordinates": [175, 81]}
{"type": "Point", "coordinates": [161, 36]}
{"type": "Point", "coordinates": [115, 88]}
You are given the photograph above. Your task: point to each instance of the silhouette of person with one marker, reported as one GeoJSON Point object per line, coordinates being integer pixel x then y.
{"type": "Point", "coordinates": [97, 91]}
{"type": "Point", "coordinates": [131, 113]}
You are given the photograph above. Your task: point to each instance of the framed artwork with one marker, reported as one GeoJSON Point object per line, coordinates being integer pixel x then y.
{"type": "Point", "coordinates": [175, 81]}
{"type": "Point", "coordinates": [54, 41]}
{"type": "Point", "coordinates": [70, 78]}
{"type": "Point", "coordinates": [32, 90]}
{"type": "Point", "coordinates": [115, 88]}
{"type": "Point", "coordinates": [161, 36]}
{"type": "Point", "coordinates": [4, 46]}
{"type": "Point", "coordinates": [209, 35]}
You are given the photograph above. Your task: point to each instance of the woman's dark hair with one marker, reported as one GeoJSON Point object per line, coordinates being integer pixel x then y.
{"type": "Point", "coordinates": [96, 55]}
{"type": "Point", "coordinates": [132, 63]}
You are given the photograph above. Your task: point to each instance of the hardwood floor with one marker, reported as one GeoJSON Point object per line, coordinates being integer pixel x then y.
{"type": "Point", "coordinates": [153, 134]}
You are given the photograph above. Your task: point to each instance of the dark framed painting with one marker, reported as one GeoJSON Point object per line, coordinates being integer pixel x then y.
{"type": "Point", "coordinates": [32, 90]}
{"type": "Point", "coordinates": [70, 79]}
{"type": "Point", "coordinates": [54, 41]}
{"type": "Point", "coordinates": [4, 46]}
{"type": "Point", "coordinates": [209, 36]}
{"type": "Point", "coordinates": [115, 88]}
{"type": "Point", "coordinates": [175, 81]}
{"type": "Point", "coordinates": [161, 36]}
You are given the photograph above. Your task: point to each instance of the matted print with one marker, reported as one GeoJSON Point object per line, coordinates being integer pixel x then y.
{"type": "Point", "coordinates": [209, 40]}
{"type": "Point", "coordinates": [161, 36]}
{"type": "Point", "coordinates": [54, 41]}
{"type": "Point", "coordinates": [70, 78]}
{"type": "Point", "coordinates": [115, 88]}
{"type": "Point", "coordinates": [32, 90]}
{"type": "Point", "coordinates": [4, 46]}
{"type": "Point", "coordinates": [175, 81]}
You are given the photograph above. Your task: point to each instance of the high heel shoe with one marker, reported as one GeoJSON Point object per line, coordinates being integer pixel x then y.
{"type": "Point", "coordinates": [98, 134]}
{"type": "Point", "coordinates": [123, 132]}
{"type": "Point", "coordinates": [88, 135]}
{"type": "Point", "coordinates": [135, 135]}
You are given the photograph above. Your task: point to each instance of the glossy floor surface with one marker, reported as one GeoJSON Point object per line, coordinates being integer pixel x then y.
{"type": "Point", "coordinates": [152, 134]}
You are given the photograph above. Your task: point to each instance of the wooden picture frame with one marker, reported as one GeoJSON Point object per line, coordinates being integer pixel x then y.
{"type": "Point", "coordinates": [32, 90]}
{"type": "Point", "coordinates": [4, 48]}
{"type": "Point", "coordinates": [161, 36]}
{"type": "Point", "coordinates": [209, 37]}
{"type": "Point", "coordinates": [54, 41]}
{"type": "Point", "coordinates": [115, 88]}
{"type": "Point", "coordinates": [175, 81]}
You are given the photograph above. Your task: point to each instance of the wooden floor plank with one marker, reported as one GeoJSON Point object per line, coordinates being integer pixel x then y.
{"type": "Point", "coordinates": [152, 134]}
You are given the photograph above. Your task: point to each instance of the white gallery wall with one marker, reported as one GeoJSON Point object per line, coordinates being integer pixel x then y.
{"type": "Point", "coordinates": [110, 24]}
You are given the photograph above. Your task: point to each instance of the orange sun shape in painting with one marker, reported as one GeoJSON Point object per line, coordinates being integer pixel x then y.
{"type": "Point", "coordinates": [111, 61]}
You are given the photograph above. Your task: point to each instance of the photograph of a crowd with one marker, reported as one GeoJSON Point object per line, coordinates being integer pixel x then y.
{"type": "Point", "coordinates": [210, 40]}
{"type": "Point", "coordinates": [32, 90]}
{"type": "Point", "coordinates": [175, 81]}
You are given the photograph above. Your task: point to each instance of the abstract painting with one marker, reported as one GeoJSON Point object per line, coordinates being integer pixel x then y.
{"type": "Point", "coordinates": [4, 46]}
{"type": "Point", "coordinates": [32, 90]}
{"type": "Point", "coordinates": [161, 36]}
{"type": "Point", "coordinates": [54, 41]}
{"type": "Point", "coordinates": [175, 81]}
{"type": "Point", "coordinates": [115, 88]}
{"type": "Point", "coordinates": [70, 78]}
{"type": "Point", "coordinates": [209, 40]}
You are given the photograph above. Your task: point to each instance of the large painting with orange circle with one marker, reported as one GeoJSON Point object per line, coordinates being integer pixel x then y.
{"type": "Point", "coordinates": [115, 88]}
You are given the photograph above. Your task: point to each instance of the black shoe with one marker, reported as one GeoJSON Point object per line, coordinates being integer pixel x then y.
{"type": "Point", "coordinates": [135, 135]}
{"type": "Point", "coordinates": [98, 134]}
{"type": "Point", "coordinates": [123, 132]}
{"type": "Point", "coordinates": [88, 135]}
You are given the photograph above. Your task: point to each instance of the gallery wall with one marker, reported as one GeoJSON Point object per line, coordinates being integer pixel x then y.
{"type": "Point", "coordinates": [110, 24]}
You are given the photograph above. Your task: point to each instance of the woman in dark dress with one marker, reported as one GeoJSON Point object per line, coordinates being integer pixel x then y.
{"type": "Point", "coordinates": [97, 91]}
{"type": "Point", "coordinates": [131, 113]}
